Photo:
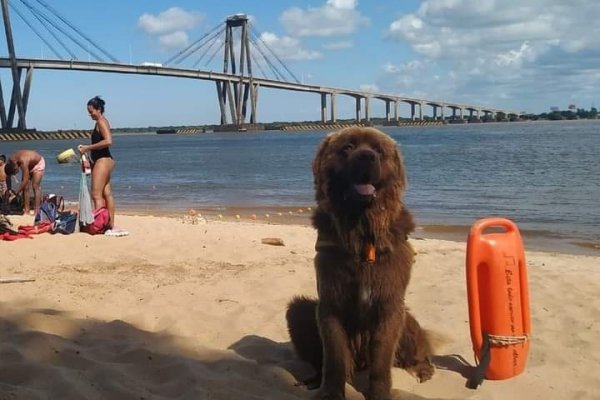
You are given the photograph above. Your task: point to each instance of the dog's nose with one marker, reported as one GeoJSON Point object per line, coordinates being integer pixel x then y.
{"type": "Point", "coordinates": [364, 166]}
{"type": "Point", "coordinates": [366, 155]}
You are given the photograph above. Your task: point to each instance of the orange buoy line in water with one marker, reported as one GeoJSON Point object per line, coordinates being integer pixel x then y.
{"type": "Point", "coordinates": [192, 216]}
{"type": "Point", "coordinates": [498, 297]}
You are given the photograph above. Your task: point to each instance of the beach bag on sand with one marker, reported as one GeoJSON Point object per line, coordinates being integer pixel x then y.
{"type": "Point", "coordinates": [14, 206]}
{"type": "Point", "coordinates": [49, 209]}
{"type": "Point", "coordinates": [100, 223]}
{"type": "Point", "coordinates": [65, 223]}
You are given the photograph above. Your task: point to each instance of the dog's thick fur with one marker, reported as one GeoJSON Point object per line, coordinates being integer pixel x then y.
{"type": "Point", "coordinates": [360, 320]}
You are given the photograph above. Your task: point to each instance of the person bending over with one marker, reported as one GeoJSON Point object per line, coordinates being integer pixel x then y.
{"type": "Point", "coordinates": [32, 166]}
{"type": "Point", "coordinates": [3, 185]}
{"type": "Point", "coordinates": [4, 193]}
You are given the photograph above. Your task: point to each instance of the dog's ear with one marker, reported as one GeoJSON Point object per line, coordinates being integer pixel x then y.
{"type": "Point", "coordinates": [399, 164]}
{"type": "Point", "coordinates": [320, 155]}
{"type": "Point", "coordinates": [316, 165]}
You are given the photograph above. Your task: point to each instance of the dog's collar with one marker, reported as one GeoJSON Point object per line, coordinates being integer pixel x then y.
{"type": "Point", "coordinates": [369, 252]}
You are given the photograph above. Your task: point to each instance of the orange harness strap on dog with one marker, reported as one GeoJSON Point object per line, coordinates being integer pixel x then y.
{"type": "Point", "coordinates": [369, 253]}
{"type": "Point", "coordinates": [324, 242]}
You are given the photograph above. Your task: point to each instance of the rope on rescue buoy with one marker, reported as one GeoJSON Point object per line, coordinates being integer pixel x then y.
{"type": "Point", "coordinates": [507, 340]}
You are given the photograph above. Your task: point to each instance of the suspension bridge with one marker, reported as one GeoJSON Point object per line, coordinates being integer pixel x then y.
{"type": "Point", "coordinates": [248, 65]}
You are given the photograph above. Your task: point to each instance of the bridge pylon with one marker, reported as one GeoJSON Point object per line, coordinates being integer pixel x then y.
{"type": "Point", "coordinates": [236, 94]}
{"type": "Point", "coordinates": [19, 98]}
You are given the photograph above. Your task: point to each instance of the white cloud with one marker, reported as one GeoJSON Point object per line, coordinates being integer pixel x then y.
{"type": "Point", "coordinates": [335, 17]}
{"type": "Point", "coordinates": [174, 40]}
{"type": "Point", "coordinates": [489, 26]}
{"type": "Point", "coordinates": [338, 45]}
{"type": "Point", "coordinates": [390, 68]}
{"type": "Point", "coordinates": [343, 4]}
{"type": "Point", "coordinates": [288, 48]}
{"type": "Point", "coordinates": [515, 58]}
{"type": "Point", "coordinates": [407, 79]}
{"type": "Point", "coordinates": [490, 50]}
{"type": "Point", "coordinates": [409, 67]}
{"type": "Point", "coordinates": [170, 27]}
{"type": "Point", "coordinates": [172, 20]}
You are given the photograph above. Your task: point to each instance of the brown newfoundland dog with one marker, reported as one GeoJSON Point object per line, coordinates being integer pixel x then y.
{"type": "Point", "coordinates": [363, 266]}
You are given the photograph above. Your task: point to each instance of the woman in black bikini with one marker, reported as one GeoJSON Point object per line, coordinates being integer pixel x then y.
{"type": "Point", "coordinates": [101, 159]}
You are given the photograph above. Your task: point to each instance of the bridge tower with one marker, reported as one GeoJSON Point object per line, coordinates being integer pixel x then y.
{"type": "Point", "coordinates": [236, 94]}
{"type": "Point", "coordinates": [18, 98]}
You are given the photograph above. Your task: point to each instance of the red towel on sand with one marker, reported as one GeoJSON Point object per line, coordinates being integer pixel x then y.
{"type": "Point", "coordinates": [43, 227]}
{"type": "Point", "coordinates": [14, 236]}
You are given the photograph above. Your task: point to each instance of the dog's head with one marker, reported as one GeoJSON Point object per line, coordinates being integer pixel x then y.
{"type": "Point", "coordinates": [356, 169]}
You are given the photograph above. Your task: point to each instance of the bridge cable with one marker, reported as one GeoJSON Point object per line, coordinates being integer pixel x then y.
{"type": "Point", "coordinates": [57, 27]}
{"type": "Point", "coordinates": [38, 16]}
{"type": "Point", "coordinates": [220, 45]}
{"type": "Point", "coordinates": [196, 45]}
{"type": "Point", "coordinates": [195, 48]}
{"type": "Point", "coordinates": [209, 43]}
{"type": "Point", "coordinates": [258, 64]}
{"type": "Point", "coordinates": [52, 10]}
{"type": "Point", "coordinates": [19, 13]}
{"type": "Point", "coordinates": [203, 54]}
{"type": "Point", "coordinates": [278, 75]}
{"type": "Point", "coordinates": [185, 50]}
{"type": "Point", "coordinates": [275, 54]}
{"type": "Point", "coordinates": [265, 59]}
{"type": "Point", "coordinates": [278, 59]}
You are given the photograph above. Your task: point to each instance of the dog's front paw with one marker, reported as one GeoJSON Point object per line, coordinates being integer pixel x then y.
{"type": "Point", "coordinates": [423, 370]}
{"type": "Point", "coordinates": [311, 383]}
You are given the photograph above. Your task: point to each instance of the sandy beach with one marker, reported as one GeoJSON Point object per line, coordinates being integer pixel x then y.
{"type": "Point", "coordinates": [178, 310]}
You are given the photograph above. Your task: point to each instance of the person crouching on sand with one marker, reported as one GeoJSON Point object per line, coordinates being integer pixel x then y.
{"type": "Point", "coordinates": [4, 193]}
{"type": "Point", "coordinates": [32, 166]}
{"type": "Point", "coordinates": [100, 158]}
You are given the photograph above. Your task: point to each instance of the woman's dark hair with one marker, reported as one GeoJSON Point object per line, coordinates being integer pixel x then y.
{"type": "Point", "coordinates": [97, 103]}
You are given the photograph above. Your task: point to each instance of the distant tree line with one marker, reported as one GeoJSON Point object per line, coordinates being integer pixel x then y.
{"type": "Point", "coordinates": [557, 115]}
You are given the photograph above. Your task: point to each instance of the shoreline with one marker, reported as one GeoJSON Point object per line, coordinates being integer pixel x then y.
{"type": "Point", "coordinates": [533, 240]}
{"type": "Point", "coordinates": [300, 215]}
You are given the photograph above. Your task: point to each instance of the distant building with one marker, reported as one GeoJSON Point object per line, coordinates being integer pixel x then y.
{"type": "Point", "coordinates": [554, 108]}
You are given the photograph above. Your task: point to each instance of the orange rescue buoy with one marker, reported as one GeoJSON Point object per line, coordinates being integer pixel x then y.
{"type": "Point", "coordinates": [498, 297]}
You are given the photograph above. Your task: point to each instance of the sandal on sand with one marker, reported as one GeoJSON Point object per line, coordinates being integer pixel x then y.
{"type": "Point", "coordinates": [116, 232]}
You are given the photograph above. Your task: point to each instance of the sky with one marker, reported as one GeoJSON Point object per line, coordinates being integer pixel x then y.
{"type": "Point", "coordinates": [510, 54]}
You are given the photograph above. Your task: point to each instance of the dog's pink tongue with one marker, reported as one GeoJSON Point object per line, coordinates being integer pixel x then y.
{"type": "Point", "coordinates": [365, 190]}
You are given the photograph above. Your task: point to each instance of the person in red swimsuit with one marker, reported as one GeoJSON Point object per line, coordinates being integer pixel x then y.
{"type": "Point", "coordinates": [101, 159]}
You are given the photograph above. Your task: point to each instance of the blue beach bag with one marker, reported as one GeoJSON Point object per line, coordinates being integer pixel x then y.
{"type": "Point", "coordinates": [49, 210]}
{"type": "Point", "coordinates": [65, 223]}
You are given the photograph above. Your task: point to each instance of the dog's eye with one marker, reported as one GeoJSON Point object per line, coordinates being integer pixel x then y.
{"type": "Point", "coordinates": [348, 147]}
{"type": "Point", "coordinates": [379, 151]}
